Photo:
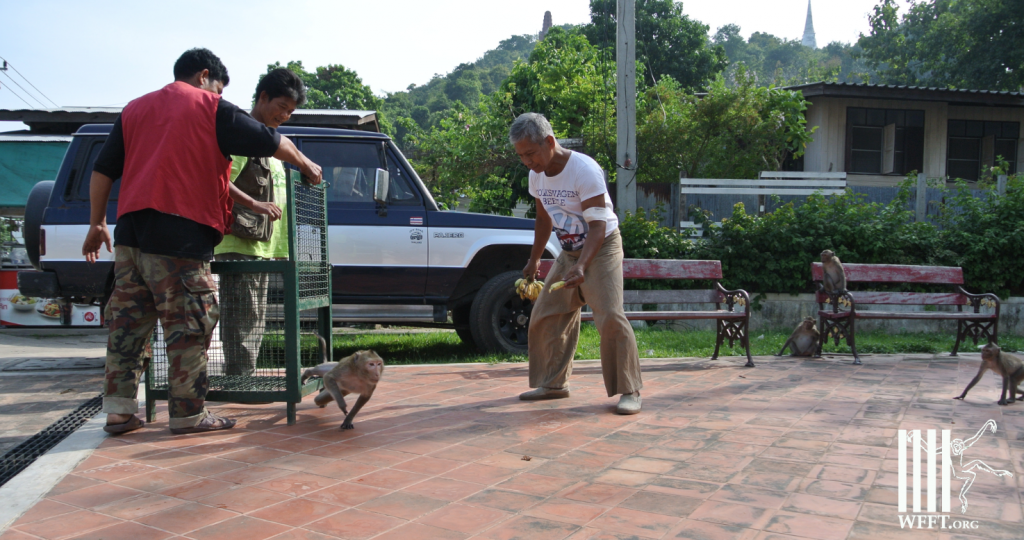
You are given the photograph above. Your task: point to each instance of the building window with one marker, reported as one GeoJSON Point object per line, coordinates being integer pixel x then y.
{"type": "Point", "coordinates": [884, 141]}
{"type": "Point", "coordinates": [975, 145]}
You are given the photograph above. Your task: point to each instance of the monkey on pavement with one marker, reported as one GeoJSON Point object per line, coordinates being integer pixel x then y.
{"type": "Point", "coordinates": [804, 339]}
{"type": "Point", "coordinates": [358, 373]}
{"type": "Point", "coordinates": [1009, 366]}
{"type": "Point", "coordinates": [834, 279]}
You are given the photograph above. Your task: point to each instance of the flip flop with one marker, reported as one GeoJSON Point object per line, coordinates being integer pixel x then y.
{"type": "Point", "coordinates": [210, 423]}
{"type": "Point", "coordinates": [131, 424]}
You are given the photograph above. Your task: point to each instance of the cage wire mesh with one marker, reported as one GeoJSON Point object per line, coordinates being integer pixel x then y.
{"type": "Point", "coordinates": [248, 350]}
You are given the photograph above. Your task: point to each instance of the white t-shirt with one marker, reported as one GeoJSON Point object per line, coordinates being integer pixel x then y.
{"type": "Point", "coordinates": [562, 195]}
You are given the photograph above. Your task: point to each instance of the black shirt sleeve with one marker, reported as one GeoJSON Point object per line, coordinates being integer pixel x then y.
{"type": "Point", "coordinates": [241, 135]}
{"type": "Point", "coordinates": [111, 159]}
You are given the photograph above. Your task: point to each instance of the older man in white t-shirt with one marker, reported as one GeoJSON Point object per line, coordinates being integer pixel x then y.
{"type": "Point", "coordinates": [573, 202]}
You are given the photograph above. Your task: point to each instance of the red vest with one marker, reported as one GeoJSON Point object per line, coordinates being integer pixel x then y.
{"type": "Point", "coordinates": [172, 161]}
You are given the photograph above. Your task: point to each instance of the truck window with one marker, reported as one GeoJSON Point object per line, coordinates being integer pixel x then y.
{"type": "Point", "coordinates": [80, 184]}
{"type": "Point", "coordinates": [349, 169]}
{"type": "Point", "coordinates": [401, 191]}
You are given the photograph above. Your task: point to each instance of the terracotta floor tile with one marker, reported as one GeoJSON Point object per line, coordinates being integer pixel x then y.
{"type": "Point", "coordinates": [346, 494]}
{"type": "Point", "coordinates": [244, 499]}
{"type": "Point", "coordinates": [389, 479]}
{"type": "Point", "coordinates": [185, 518]}
{"type": "Point", "coordinates": [463, 518]}
{"type": "Point", "coordinates": [125, 531]}
{"type": "Point", "coordinates": [752, 496]}
{"type": "Point", "coordinates": [170, 458]}
{"type": "Point", "coordinates": [535, 484]}
{"type": "Point", "coordinates": [705, 530]}
{"type": "Point", "coordinates": [296, 512]}
{"type": "Point", "coordinates": [44, 509]}
{"type": "Point", "coordinates": [444, 489]}
{"type": "Point", "coordinates": [354, 524]}
{"type": "Point", "coordinates": [97, 495]}
{"type": "Point", "coordinates": [218, 448]}
{"type": "Point", "coordinates": [403, 505]}
{"type": "Point", "coordinates": [138, 506]}
{"type": "Point", "coordinates": [737, 515]}
{"type": "Point", "coordinates": [295, 444]}
{"type": "Point", "coordinates": [463, 453]}
{"type": "Point", "coordinates": [646, 465]}
{"type": "Point", "coordinates": [661, 503]}
{"type": "Point", "coordinates": [252, 474]}
{"type": "Point", "coordinates": [509, 501]}
{"type": "Point", "coordinates": [566, 511]}
{"type": "Point", "coordinates": [95, 461]}
{"type": "Point", "coordinates": [379, 457]}
{"type": "Point", "coordinates": [511, 461]}
{"type": "Point", "coordinates": [418, 531]}
{"type": "Point", "coordinates": [254, 455]}
{"type": "Point", "coordinates": [480, 474]}
{"type": "Point", "coordinates": [67, 525]}
{"type": "Point", "coordinates": [808, 526]}
{"type": "Point", "coordinates": [298, 462]}
{"type": "Point", "coordinates": [208, 467]}
{"type": "Point", "coordinates": [11, 534]}
{"type": "Point", "coordinates": [70, 483]}
{"type": "Point", "coordinates": [196, 490]}
{"type": "Point", "coordinates": [156, 480]}
{"type": "Point", "coordinates": [301, 534]}
{"type": "Point", "coordinates": [602, 494]}
{"type": "Point", "coordinates": [625, 478]}
{"type": "Point", "coordinates": [530, 527]}
{"type": "Point", "coordinates": [822, 506]}
{"type": "Point", "coordinates": [418, 446]}
{"type": "Point", "coordinates": [297, 484]}
{"type": "Point", "coordinates": [239, 528]}
{"type": "Point", "coordinates": [428, 465]}
{"type": "Point", "coordinates": [629, 521]}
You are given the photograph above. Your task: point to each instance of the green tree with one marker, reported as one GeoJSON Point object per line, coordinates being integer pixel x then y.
{"type": "Point", "coordinates": [950, 43]}
{"type": "Point", "coordinates": [731, 132]}
{"type": "Point", "coordinates": [336, 87]}
{"type": "Point", "coordinates": [668, 41]}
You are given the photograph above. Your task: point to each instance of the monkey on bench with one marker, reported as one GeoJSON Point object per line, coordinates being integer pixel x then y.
{"type": "Point", "coordinates": [358, 373]}
{"type": "Point", "coordinates": [1009, 366]}
{"type": "Point", "coordinates": [834, 275]}
{"type": "Point", "coordinates": [804, 339]}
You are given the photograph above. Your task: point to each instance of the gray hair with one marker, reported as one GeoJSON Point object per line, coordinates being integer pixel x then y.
{"type": "Point", "coordinates": [530, 125]}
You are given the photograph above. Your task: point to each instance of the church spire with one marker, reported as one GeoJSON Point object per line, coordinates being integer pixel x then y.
{"type": "Point", "coordinates": [808, 40]}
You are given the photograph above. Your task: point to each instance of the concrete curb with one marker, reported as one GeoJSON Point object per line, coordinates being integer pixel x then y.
{"type": "Point", "coordinates": [22, 492]}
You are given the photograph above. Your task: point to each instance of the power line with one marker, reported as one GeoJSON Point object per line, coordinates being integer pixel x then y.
{"type": "Point", "coordinates": [16, 95]}
{"type": "Point", "coordinates": [8, 64]}
{"type": "Point", "coordinates": [29, 94]}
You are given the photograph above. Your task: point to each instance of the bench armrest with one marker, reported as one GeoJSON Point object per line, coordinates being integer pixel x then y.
{"type": "Point", "coordinates": [837, 300]}
{"type": "Point", "coordinates": [977, 300]}
{"type": "Point", "coordinates": [739, 296]}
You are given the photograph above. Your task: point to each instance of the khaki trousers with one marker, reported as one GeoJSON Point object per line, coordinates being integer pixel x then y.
{"type": "Point", "coordinates": [555, 323]}
{"type": "Point", "coordinates": [243, 316]}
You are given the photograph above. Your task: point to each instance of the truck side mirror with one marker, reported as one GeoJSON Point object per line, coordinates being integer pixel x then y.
{"type": "Point", "coordinates": [380, 187]}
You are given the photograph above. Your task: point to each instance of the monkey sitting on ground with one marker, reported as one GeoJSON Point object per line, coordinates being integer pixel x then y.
{"type": "Point", "coordinates": [355, 374]}
{"type": "Point", "coordinates": [1009, 366]}
{"type": "Point", "coordinates": [834, 280]}
{"type": "Point", "coordinates": [804, 339]}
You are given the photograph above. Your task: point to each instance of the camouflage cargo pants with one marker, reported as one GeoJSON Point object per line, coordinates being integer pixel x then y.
{"type": "Point", "coordinates": [243, 309]}
{"type": "Point", "coordinates": [181, 294]}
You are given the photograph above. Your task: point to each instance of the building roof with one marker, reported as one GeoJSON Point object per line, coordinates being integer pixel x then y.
{"type": "Point", "coordinates": [67, 120]}
{"type": "Point", "coordinates": [953, 96]}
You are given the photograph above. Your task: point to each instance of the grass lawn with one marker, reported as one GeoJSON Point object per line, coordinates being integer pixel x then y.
{"type": "Point", "coordinates": [444, 347]}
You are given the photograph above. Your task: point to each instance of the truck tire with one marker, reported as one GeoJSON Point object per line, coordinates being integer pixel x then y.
{"type": "Point", "coordinates": [460, 317]}
{"type": "Point", "coordinates": [38, 198]}
{"type": "Point", "coordinates": [499, 319]}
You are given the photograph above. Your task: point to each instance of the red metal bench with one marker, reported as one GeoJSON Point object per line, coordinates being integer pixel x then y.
{"type": "Point", "coordinates": [731, 324]}
{"type": "Point", "coordinates": [837, 319]}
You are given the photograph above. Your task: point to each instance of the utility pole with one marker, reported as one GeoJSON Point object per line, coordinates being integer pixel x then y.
{"type": "Point", "coordinates": [625, 107]}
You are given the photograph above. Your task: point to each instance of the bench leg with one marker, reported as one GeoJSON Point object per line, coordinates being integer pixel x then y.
{"type": "Point", "coordinates": [718, 339]}
{"type": "Point", "coordinates": [851, 340]}
{"type": "Point", "coordinates": [959, 338]}
{"type": "Point", "coordinates": [746, 343]}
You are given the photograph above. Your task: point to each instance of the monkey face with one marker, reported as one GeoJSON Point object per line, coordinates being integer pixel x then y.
{"type": "Point", "coordinates": [826, 256]}
{"type": "Point", "coordinates": [990, 352]}
{"type": "Point", "coordinates": [809, 323]}
{"type": "Point", "coordinates": [371, 364]}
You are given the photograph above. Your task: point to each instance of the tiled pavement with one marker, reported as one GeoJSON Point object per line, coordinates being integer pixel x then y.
{"type": "Point", "coordinates": [790, 449]}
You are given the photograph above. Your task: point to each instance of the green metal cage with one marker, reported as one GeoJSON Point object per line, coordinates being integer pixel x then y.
{"type": "Point", "coordinates": [271, 314]}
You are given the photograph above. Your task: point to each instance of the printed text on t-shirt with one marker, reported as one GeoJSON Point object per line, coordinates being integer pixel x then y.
{"type": "Point", "coordinates": [557, 197]}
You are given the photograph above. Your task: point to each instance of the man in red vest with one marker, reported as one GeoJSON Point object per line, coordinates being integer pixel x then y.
{"type": "Point", "coordinates": [170, 149]}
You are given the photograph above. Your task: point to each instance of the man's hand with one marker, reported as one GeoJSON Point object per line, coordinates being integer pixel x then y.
{"type": "Point", "coordinates": [98, 235]}
{"type": "Point", "coordinates": [267, 209]}
{"type": "Point", "coordinates": [531, 269]}
{"type": "Point", "coordinates": [312, 171]}
{"type": "Point", "coordinates": [574, 277]}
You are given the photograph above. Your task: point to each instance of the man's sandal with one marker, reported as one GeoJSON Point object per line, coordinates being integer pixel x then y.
{"type": "Point", "coordinates": [131, 424]}
{"type": "Point", "coordinates": [212, 422]}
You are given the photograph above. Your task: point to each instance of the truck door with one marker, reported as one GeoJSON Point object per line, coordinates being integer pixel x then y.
{"type": "Point", "coordinates": [374, 253]}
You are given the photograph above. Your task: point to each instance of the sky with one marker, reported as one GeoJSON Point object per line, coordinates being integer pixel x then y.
{"type": "Point", "coordinates": [105, 53]}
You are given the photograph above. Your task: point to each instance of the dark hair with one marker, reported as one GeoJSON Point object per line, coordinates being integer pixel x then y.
{"type": "Point", "coordinates": [195, 60]}
{"type": "Point", "coordinates": [282, 82]}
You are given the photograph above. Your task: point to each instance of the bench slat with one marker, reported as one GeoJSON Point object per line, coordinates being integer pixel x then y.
{"type": "Point", "coordinates": [941, 315]}
{"type": "Point", "coordinates": [904, 298]}
{"type": "Point", "coordinates": [672, 297]}
{"type": "Point", "coordinates": [896, 273]}
{"type": "Point", "coordinates": [759, 191]}
{"type": "Point", "coordinates": [674, 315]}
{"type": "Point", "coordinates": [659, 269]}
{"type": "Point", "coordinates": [808, 175]}
{"type": "Point", "coordinates": [761, 182]}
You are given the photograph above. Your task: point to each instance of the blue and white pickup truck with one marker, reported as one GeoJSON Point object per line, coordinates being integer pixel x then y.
{"type": "Point", "coordinates": [411, 264]}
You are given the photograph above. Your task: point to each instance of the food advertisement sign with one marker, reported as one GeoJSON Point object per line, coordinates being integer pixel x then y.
{"type": "Point", "coordinates": [17, 309]}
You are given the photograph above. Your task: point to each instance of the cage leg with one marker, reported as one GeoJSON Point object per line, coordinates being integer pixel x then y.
{"type": "Point", "coordinates": [291, 413]}
{"type": "Point", "coordinates": [150, 410]}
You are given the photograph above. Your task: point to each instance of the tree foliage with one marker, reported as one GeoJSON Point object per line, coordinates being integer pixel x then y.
{"type": "Point", "coordinates": [336, 87]}
{"type": "Point", "coordinates": [669, 43]}
{"type": "Point", "coordinates": [730, 132]}
{"type": "Point", "coordinates": [948, 43]}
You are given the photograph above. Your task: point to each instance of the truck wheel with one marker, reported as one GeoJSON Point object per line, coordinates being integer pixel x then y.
{"type": "Point", "coordinates": [460, 316]}
{"type": "Point", "coordinates": [499, 319]}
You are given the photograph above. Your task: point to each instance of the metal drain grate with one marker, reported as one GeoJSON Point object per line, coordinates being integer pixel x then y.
{"type": "Point", "coordinates": [23, 455]}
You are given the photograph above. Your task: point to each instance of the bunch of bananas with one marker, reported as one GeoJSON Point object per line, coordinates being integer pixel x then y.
{"type": "Point", "coordinates": [530, 289]}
